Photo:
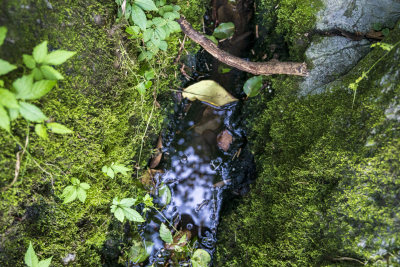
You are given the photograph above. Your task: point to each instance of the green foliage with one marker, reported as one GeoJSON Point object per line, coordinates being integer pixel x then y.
{"type": "Point", "coordinates": [122, 209]}
{"type": "Point", "coordinates": [26, 89]}
{"type": "Point", "coordinates": [200, 258]}
{"type": "Point", "coordinates": [32, 260]}
{"type": "Point", "coordinates": [164, 193]}
{"type": "Point", "coordinates": [114, 169]}
{"type": "Point", "coordinates": [154, 32]}
{"type": "Point", "coordinates": [140, 251]}
{"type": "Point", "coordinates": [74, 191]}
{"type": "Point", "coordinates": [253, 86]}
{"type": "Point", "coordinates": [224, 30]}
{"type": "Point", "coordinates": [165, 234]}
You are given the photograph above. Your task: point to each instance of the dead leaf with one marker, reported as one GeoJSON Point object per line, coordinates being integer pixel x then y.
{"type": "Point", "coordinates": [176, 240]}
{"type": "Point", "coordinates": [157, 158]}
{"type": "Point", "coordinates": [224, 140]}
{"type": "Point", "coordinates": [208, 91]}
{"type": "Point", "coordinates": [147, 178]}
{"type": "Point", "coordinates": [374, 35]}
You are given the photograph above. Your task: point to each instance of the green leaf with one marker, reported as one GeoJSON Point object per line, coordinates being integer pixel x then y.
{"type": "Point", "coordinates": [165, 194]}
{"type": "Point", "coordinates": [37, 74]}
{"type": "Point", "coordinates": [58, 57]}
{"type": "Point", "coordinates": [41, 131]}
{"type": "Point", "coordinates": [148, 34]}
{"type": "Point", "coordinates": [40, 89]}
{"type": "Point", "coordinates": [213, 39]}
{"type": "Point", "coordinates": [8, 99]}
{"type": "Point", "coordinates": [1, 83]}
{"type": "Point", "coordinates": [14, 113]}
{"type": "Point", "coordinates": [208, 91]}
{"type": "Point", "coordinates": [6, 67]}
{"type": "Point", "coordinates": [385, 32]}
{"type": "Point", "coordinates": [69, 194]}
{"type": "Point", "coordinates": [127, 202]}
{"type": "Point", "coordinates": [141, 88]}
{"type": "Point", "coordinates": [160, 33]}
{"type": "Point", "coordinates": [110, 173]}
{"type": "Point", "coordinates": [40, 52]}
{"type": "Point", "coordinates": [30, 257]}
{"type": "Point", "coordinates": [200, 258]}
{"type": "Point", "coordinates": [145, 55]}
{"type": "Point", "coordinates": [147, 5]}
{"type": "Point", "coordinates": [85, 186]}
{"type": "Point", "coordinates": [139, 17]}
{"type": "Point", "coordinates": [133, 30]}
{"type": "Point", "coordinates": [3, 33]}
{"type": "Point", "coordinates": [45, 263]}
{"type": "Point", "coordinates": [118, 168]}
{"type": "Point", "coordinates": [31, 112]}
{"type": "Point", "coordinates": [75, 181]}
{"type": "Point", "coordinates": [58, 128]}
{"type": "Point", "coordinates": [23, 86]}
{"type": "Point", "coordinates": [81, 194]}
{"type": "Point", "coordinates": [165, 234]}
{"type": "Point", "coordinates": [171, 15]}
{"type": "Point", "coordinates": [148, 84]}
{"type": "Point", "coordinates": [4, 119]}
{"type": "Point", "coordinates": [50, 73]}
{"type": "Point", "coordinates": [182, 239]}
{"type": "Point", "coordinates": [139, 253]}
{"type": "Point", "coordinates": [159, 22]}
{"type": "Point", "coordinates": [119, 214]}
{"type": "Point", "coordinates": [224, 30]}
{"type": "Point", "coordinates": [176, 8]}
{"type": "Point", "coordinates": [29, 61]}
{"type": "Point", "coordinates": [252, 86]}
{"type": "Point", "coordinates": [128, 10]}
{"type": "Point", "coordinates": [132, 215]}
{"type": "Point", "coordinates": [149, 75]}
{"type": "Point", "coordinates": [173, 26]}
{"type": "Point", "coordinates": [104, 169]}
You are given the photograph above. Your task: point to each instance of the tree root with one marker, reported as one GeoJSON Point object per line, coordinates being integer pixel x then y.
{"type": "Point", "coordinates": [256, 68]}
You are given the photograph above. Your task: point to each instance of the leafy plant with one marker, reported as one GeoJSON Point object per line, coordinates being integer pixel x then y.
{"type": "Point", "coordinates": [38, 83]}
{"type": "Point", "coordinates": [378, 27]}
{"type": "Point", "coordinates": [146, 83]}
{"type": "Point", "coordinates": [155, 31]}
{"type": "Point", "coordinates": [31, 259]}
{"type": "Point", "coordinates": [253, 86]}
{"type": "Point", "coordinates": [165, 234]}
{"type": "Point", "coordinates": [114, 169]}
{"type": "Point", "coordinates": [76, 190]}
{"type": "Point", "coordinates": [200, 258]}
{"type": "Point", "coordinates": [224, 30]}
{"type": "Point", "coordinates": [140, 251]}
{"type": "Point", "coordinates": [122, 208]}
{"type": "Point", "coordinates": [164, 194]}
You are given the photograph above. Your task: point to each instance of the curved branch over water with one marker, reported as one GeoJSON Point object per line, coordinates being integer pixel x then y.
{"type": "Point", "coordinates": [256, 68]}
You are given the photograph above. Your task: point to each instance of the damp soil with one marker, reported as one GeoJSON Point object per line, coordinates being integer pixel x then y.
{"type": "Point", "coordinates": [205, 158]}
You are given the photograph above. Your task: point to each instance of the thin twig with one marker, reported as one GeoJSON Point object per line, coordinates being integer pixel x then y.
{"type": "Point", "coordinates": [180, 50]}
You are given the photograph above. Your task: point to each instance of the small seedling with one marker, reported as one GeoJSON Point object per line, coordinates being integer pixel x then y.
{"type": "Point", "coordinates": [76, 190]}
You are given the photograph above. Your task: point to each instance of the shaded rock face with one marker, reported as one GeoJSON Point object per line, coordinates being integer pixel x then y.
{"type": "Point", "coordinates": [358, 15]}
{"type": "Point", "coordinates": [331, 58]}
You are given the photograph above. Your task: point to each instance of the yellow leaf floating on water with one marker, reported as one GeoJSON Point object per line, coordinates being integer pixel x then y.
{"type": "Point", "coordinates": [210, 92]}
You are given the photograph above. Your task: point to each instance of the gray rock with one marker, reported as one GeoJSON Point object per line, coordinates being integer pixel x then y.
{"type": "Point", "coordinates": [69, 258]}
{"type": "Point", "coordinates": [331, 57]}
{"type": "Point", "coordinates": [357, 15]}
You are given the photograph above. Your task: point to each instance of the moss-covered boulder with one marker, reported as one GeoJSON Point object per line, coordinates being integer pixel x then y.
{"type": "Point", "coordinates": [327, 193]}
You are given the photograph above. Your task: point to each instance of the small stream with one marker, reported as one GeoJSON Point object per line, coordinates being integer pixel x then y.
{"type": "Point", "coordinates": [205, 157]}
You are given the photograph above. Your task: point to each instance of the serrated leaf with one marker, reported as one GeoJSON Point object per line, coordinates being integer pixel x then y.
{"type": "Point", "coordinates": [31, 112]}
{"type": "Point", "coordinates": [147, 5]}
{"type": "Point", "coordinates": [13, 113]}
{"type": "Point", "coordinates": [3, 34]}
{"type": "Point", "coordinates": [165, 234]}
{"type": "Point", "coordinates": [145, 55]}
{"type": "Point", "coordinates": [30, 257]}
{"type": "Point", "coordinates": [163, 46]}
{"type": "Point", "coordinates": [132, 215]}
{"type": "Point", "coordinates": [141, 88]}
{"type": "Point", "coordinates": [133, 30]}
{"type": "Point", "coordinates": [40, 89]}
{"type": "Point", "coordinates": [8, 99]}
{"type": "Point", "coordinates": [148, 34]}
{"type": "Point", "coordinates": [110, 173]}
{"type": "Point", "coordinates": [29, 61]}
{"type": "Point", "coordinates": [58, 57]}
{"type": "Point", "coordinates": [45, 263]}
{"type": "Point", "coordinates": [200, 258]}
{"type": "Point", "coordinates": [23, 86]}
{"type": "Point", "coordinates": [58, 128]}
{"type": "Point", "coordinates": [119, 214]}
{"type": "Point", "coordinates": [171, 15]}
{"type": "Point", "coordinates": [6, 67]}
{"type": "Point", "coordinates": [165, 195]}
{"type": "Point", "coordinates": [37, 74]}
{"type": "Point", "coordinates": [176, 8]}
{"type": "Point", "coordinates": [160, 33]}
{"type": "Point", "coordinates": [85, 186]}
{"type": "Point", "coordinates": [149, 75]}
{"type": "Point", "coordinates": [69, 194]}
{"type": "Point", "coordinates": [75, 181]}
{"type": "Point", "coordinates": [159, 22]}
{"type": "Point", "coordinates": [50, 73]}
{"type": "Point", "coordinates": [139, 17]}
{"type": "Point", "coordinates": [104, 169]}
{"type": "Point", "coordinates": [81, 194]}
{"type": "Point", "coordinates": [4, 119]}
{"type": "Point", "coordinates": [40, 52]}
{"type": "Point", "coordinates": [224, 30]}
{"type": "Point", "coordinates": [208, 91]}
{"type": "Point", "coordinates": [115, 201]}
{"type": "Point", "coordinates": [41, 131]}
{"type": "Point", "coordinates": [138, 253]}
{"type": "Point", "coordinates": [118, 168]}
{"type": "Point", "coordinates": [173, 26]}
{"type": "Point", "coordinates": [252, 86]}
{"type": "Point", "coordinates": [127, 202]}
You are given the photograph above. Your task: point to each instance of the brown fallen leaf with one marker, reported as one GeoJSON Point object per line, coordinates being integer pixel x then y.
{"type": "Point", "coordinates": [176, 240]}
{"type": "Point", "coordinates": [157, 157]}
{"type": "Point", "coordinates": [375, 35]}
{"type": "Point", "coordinates": [147, 178]}
{"type": "Point", "coordinates": [224, 140]}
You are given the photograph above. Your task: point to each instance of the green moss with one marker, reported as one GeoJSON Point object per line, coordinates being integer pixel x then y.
{"type": "Point", "coordinates": [111, 123]}
{"type": "Point", "coordinates": [327, 191]}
